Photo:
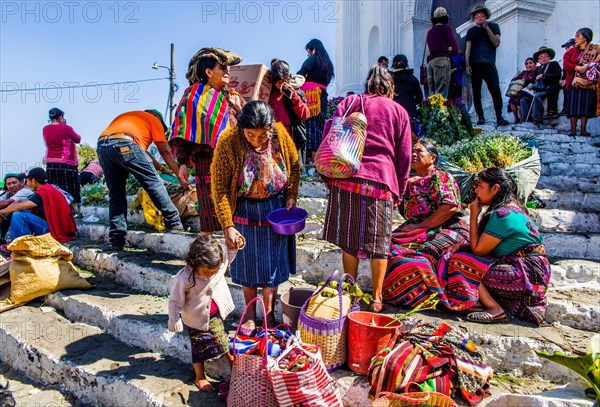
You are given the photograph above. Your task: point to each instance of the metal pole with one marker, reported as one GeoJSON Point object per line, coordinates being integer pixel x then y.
{"type": "Point", "coordinates": [172, 85]}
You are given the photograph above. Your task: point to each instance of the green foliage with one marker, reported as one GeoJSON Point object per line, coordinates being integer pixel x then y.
{"type": "Point", "coordinates": [132, 186]}
{"type": "Point", "coordinates": [94, 194]}
{"type": "Point", "coordinates": [587, 366]}
{"type": "Point", "coordinates": [86, 155]}
{"type": "Point", "coordinates": [490, 149]}
{"type": "Point", "coordinates": [331, 106]}
{"type": "Point", "coordinates": [351, 289]}
{"type": "Point", "coordinates": [444, 122]}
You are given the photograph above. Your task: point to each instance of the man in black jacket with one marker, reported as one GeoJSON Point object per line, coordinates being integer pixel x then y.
{"type": "Point", "coordinates": [546, 85]}
{"type": "Point", "coordinates": [407, 90]}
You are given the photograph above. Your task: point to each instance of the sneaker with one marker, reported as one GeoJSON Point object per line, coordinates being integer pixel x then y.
{"type": "Point", "coordinates": [480, 122]}
{"type": "Point", "coordinates": [501, 121]}
{"type": "Point", "coordinates": [175, 228]}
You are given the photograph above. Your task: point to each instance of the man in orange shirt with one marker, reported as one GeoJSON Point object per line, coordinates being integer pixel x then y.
{"type": "Point", "coordinates": [121, 151]}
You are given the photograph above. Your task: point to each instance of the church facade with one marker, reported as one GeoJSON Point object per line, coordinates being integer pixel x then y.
{"type": "Point", "coordinates": [371, 28]}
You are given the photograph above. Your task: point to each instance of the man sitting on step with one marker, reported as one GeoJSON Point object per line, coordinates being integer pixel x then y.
{"type": "Point", "coordinates": [13, 192]}
{"type": "Point", "coordinates": [122, 150]}
{"type": "Point", "coordinates": [46, 211]}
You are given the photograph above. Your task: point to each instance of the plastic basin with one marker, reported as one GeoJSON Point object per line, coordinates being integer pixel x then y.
{"type": "Point", "coordinates": [286, 222]}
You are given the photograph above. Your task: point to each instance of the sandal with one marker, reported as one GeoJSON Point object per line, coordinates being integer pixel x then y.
{"type": "Point", "coordinates": [376, 306]}
{"type": "Point", "coordinates": [483, 317]}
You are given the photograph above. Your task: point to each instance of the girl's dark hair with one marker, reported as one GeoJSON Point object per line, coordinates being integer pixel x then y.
{"type": "Point", "coordinates": [256, 114]}
{"type": "Point", "coordinates": [197, 69]}
{"type": "Point", "coordinates": [587, 33]}
{"type": "Point", "coordinates": [529, 59]}
{"type": "Point", "coordinates": [322, 57]}
{"type": "Point", "coordinates": [205, 251]}
{"type": "Point", "coordinates": [380, 82]}
{"type": "Point", "coordinates": [431, 149]}
{"type": "Point", "coordinates": [280, 70]}
{"type": "Point", "coordinates": [506, 194]}
{"type": "Point", "coordinates": [439, 20]}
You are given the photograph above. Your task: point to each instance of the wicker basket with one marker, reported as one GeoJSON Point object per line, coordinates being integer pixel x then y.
{"type": "Point", "coordinates": [424, 399]}
{"type": "Point", "coordinates": [330, 334]}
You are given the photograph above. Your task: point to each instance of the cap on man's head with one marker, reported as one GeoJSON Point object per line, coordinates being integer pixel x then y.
{"type": "Point", "coordinates": [19, 176]}
{"type": "Point", "coordinates": [55, 113]}
{"type": "Point", "coordinates": [37, 174]}
{"type": "Point", "coordinates": [400, 58]}
{"type": "Point", "coordinates": [569, 43]}
{"type": "Point", "coordinates": [440, 12]}
{"type": "Point", "coordinates": [159, 116]}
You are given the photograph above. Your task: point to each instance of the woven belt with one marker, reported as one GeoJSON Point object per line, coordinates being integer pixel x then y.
{"type": "Point", "coordinates": [116, 136]}
{"type": "Point", "coordinates": [250, 222]}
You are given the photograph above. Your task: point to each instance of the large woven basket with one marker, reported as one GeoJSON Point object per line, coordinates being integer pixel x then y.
{"type": "Point", "coordinates": [424, 399]}
{"type": "Point", "coordinates": [330, 334]}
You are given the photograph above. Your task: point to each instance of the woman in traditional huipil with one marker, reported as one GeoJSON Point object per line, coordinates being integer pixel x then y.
{"type": "Point", "coordinates": [206, 109]}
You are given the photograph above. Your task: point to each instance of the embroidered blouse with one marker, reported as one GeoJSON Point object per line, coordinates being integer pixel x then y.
{"type": "Point", "coordinates": [425, 195]}
{"type": "Point", "coordinates": [264, 173]}
{"type": "Point", "coordinates": [514, 227]}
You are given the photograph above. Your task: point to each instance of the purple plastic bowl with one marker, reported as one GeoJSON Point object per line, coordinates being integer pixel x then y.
{"type": "Point", "coordinates": [286, 222]}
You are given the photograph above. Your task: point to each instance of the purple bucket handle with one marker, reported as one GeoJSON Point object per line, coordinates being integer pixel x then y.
{"type": "Point", "coordinates": [340, 281]}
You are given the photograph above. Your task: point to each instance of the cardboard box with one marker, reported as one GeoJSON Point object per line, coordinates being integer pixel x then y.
{"type": "Point", "coordinates": [251, 81]}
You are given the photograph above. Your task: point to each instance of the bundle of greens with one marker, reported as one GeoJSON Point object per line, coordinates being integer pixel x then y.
{"type": "Point", "coordinates": [95, 194]}
{"type": "Point", "coordinates": [444, 121]}
{"type": "Point", "coordinates": [490, 149]}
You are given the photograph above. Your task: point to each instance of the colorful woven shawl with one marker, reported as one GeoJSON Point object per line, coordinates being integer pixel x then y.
{"type": "Point", "coordinates": [201, 116]}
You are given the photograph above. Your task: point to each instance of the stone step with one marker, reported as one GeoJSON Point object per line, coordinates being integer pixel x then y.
{"type": "Point", "coordinates": [569, 183]}
{"type": "Point", "coordinates": [140, 270]}
{"type": "Point", "coordinates": [140, 320]}
{"type": "Point", "coordinates": [565, 221]}
{"type": "Point", "coordinates": [92, 364]}
{"type": "Point", "coordinates": [26, 392]}
{"type": "Point", "coordinates": [569, 200]}
{"type": "Point", "coordinates": [573, 246]}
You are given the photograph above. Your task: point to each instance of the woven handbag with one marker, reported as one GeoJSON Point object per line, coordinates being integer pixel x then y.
{"type": "Point", "coordinates": [311, 387]}
{"type": "Point", "coordinates": [414, 400]}
{"type": "Point", "coordinates": [250, 384]}
{"type": "Point", "coordinates": [514, 87]}
{"type": "Point", "coordinates": [341, 150]}
{"type": "Point", "coordinates": [330, 335]}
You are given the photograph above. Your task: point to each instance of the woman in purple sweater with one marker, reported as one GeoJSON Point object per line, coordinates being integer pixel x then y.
{"type": "Point", "coordinates": [359, 211]}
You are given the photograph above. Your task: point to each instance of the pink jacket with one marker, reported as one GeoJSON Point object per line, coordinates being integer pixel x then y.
{"type": "Point", "coordinates": [60, 142]}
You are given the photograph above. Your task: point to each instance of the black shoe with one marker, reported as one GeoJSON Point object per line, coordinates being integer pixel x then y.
{"type": "Point", "coordinates": [501, 121]}
{"type": "Point", "coordinates": [112, 248]}
{"type": "Point", "coordinates": [175, 228]}
{"type": "Point", "coordinates": [480, 122]}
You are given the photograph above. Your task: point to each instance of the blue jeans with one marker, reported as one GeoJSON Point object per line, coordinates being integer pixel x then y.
{"type": "Point", "coordinates": [119, 158]}
{"type": "Point", "coordinates": [26, 223]}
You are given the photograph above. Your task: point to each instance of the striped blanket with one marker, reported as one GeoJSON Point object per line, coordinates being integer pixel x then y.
{"type": "Point", "coordinates": [431, 357]}
{"type": "Point", "coordinates": [201, 116]}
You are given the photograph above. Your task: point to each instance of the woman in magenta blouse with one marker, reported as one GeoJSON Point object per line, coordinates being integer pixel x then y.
{"type": "Point", "coordinates": [61, 154]}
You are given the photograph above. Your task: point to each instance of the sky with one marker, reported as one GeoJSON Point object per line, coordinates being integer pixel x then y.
{"type": "Point", "coordinates": [79, 45]}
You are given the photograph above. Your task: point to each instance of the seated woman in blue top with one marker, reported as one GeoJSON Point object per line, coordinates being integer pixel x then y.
{"type": "Point", "coordinates": [516, 281]}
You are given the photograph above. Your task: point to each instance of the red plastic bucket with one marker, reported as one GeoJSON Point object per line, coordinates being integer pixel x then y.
{"type": "Point", "coordinates": [367, 336]}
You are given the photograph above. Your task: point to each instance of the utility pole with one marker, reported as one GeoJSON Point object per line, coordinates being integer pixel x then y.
{"type": "Point", "coordinates": [172, 85]}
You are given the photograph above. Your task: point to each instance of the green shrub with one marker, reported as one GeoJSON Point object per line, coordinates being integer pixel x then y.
{"type": "Point", "coordinates": [86, 155]}
{"type": "Point", "coordinates": [95, 194]}
{"type": "Point", "coordinates": [489, 149]}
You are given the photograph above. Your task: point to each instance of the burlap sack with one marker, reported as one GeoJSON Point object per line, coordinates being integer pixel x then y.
{"type": "Point", "coordinates": [40, 265]}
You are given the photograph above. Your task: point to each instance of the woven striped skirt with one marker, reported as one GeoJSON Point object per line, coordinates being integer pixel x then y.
{"type": "Point", "coordinates": [209, 344]}
{"type": "Point", "coordinates": [581, 102]}
{"type": "Point", "coordinates": [360, 225]}
{"type": "Point", "coordinates": [315, 125]}
{"type": "Point", "coordinates": [268, 258]}
{"type": "Point", "coordinates": [66, 177]}
{"type": "Point", "coordinates": [206, 207]}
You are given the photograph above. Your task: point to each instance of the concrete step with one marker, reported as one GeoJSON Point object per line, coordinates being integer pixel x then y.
{"type": "Point", "coordinates": [26, 392]}
{"type": "Point", "coordinates": [139, 320]}
{"type": "Point", "coordinates": [569, 200]}
{"type": "Point", "coordinates": [565, 221]}
{"type": "Point", "coordinates": [573, 246]}
{"type": "Point", "coordinates": [152, 272]}
{"type": "Point", "coordinates": [569, 183]}
{"type": "Point", "coordinates": [96, 367]}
